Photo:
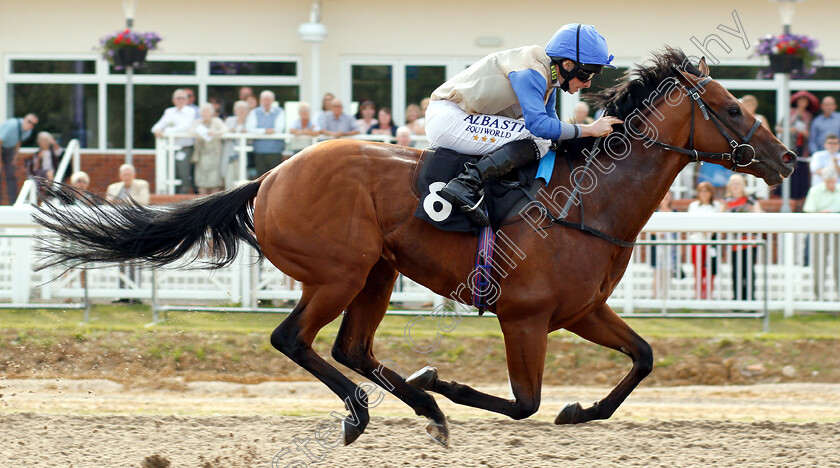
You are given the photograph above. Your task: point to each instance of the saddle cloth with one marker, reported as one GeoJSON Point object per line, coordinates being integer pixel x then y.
{"type": "Point", "coordinates": [438, 166]}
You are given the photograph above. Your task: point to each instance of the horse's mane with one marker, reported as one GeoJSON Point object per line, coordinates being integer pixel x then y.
{"type": "Point", "coordinates": [639, 83]}
{"type": "Point", "coordinates": [636, 85]}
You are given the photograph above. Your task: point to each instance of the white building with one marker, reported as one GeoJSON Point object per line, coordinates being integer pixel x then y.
{"type": "Point", "coordinates": [392, 52]}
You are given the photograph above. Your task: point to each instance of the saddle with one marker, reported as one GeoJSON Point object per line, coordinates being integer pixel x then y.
{"type": "Point", "coordinates": [438, 166]}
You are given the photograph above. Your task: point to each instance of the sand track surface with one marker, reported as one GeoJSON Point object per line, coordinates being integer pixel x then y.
{"type": "Point", "coordinates": [99, 423]}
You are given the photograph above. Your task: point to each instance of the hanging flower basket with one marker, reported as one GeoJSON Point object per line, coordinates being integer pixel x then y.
{"type": "Point", "coordinates": [789, 53]}
{"type": "Point", "coordinates": [128, 48]}
{"type": "Point", "coordinates": [129, 57]}
{"type": "Point", "coordinates": [786, 64]}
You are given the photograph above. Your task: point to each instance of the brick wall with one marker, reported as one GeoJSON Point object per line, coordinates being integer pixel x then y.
{"type": "Point", "coordinates": [103, 170]}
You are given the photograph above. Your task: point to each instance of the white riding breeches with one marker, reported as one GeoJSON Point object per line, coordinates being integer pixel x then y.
{"type": "Point", "coordinates": [448, 126]}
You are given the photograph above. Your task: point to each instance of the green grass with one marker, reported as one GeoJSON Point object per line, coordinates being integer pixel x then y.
{"type": "Point", "coordinates": [134, 317]}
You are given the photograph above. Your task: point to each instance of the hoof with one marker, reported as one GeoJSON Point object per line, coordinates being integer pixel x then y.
{"type": "Point", "coordinates": [569, 415]}
{"type": "Point", "coordinates": [351, 432]}
{"type": "Point", "coordinates": [438, 432]}
{"type": "Point", "coordinates": [423, 378]}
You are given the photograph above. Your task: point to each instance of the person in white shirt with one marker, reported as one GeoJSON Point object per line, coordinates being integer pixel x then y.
{"type": "Point", "coordinates": [179, 119]}
{"type": "Point", "coordinates": [827, 159]}
{"type": "Point", "coordinates": [703, 257]}
{"type": "Point", "coordinates": [235, 124]}
{"type": "Point", "coordinates": [267, 119]}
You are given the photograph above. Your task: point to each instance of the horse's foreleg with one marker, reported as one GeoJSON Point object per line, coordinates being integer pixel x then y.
{"type": "Point", "coordinates": [606, 328]}
{"type": "Point", "coordinates": [354, 348]}
{"type": "Point", "coordinates": [293, 337]}
{"type": "Point", "coordinates": [525, 345]}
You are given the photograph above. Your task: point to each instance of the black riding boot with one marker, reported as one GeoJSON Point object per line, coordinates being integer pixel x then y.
{"type": "Point", "coordinates": [466, 191]}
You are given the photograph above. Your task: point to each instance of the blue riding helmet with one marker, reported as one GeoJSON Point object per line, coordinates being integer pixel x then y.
{"type": "Point", "coordinates": [581, 43]}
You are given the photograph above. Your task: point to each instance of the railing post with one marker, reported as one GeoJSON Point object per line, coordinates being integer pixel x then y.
{"type": "Point", "coordinates": [788, 261]}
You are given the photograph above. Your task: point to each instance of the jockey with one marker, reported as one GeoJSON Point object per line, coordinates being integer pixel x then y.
{"type": "Point", "coordinates": [478, 111]}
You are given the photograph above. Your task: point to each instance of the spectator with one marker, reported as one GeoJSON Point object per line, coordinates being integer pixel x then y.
{"type": "Point", "coordinates": [424, 104]}
{"type": "Point", "coordinates": [750, 102]}
{"type": "Point", "coordinates": [825, 198]}
{"type": "Point", "coordinates": [244, 92]}
{"type": "Point", "coordinates": [252, 101]}
{"type": "Point", "coordinates": [80, 180]}
{"type": "Point", "coordinates": [179, 119]}
{"type": "Point", "coordinates": [715, 175]}
{"type": "Point", "coordinates": [303, 128]}
{"type": "Point", "coordinates": [385, 126]}
{"type": "Point", "coordinates": [581, 115]}
{"type": "Point", "coordinates": [45, 161]}
{"type": "Point", "coordinates": [191, 100]}
{"type": "Point", "coordinates": [325, 108]}
{"type": "Point", "coordinates": [413, 120]}
{"type": "Point", "coordinates": [267, 119]}
{"type": "Point", "coordinates": [207, 156]}
{"type": "Point", "coordinates": [803, 104]}
{"type": "Point", "coordinates": [129, 187]}
{"type": "Point", "coordinates": [336, 123]}
{"type": "Point", "coordinates": [663, 258]}
{"type": "Point", "coordinates": [218, 106]}
{"type": "Point", "coordinates": [704, 257]}
{"type": "Point", "coordinates": [367, 110]}
{"type": "Point", "coordinates": [825, 159]}
{"type": "Point", "coordinates": [404, 137]}
{"type": "Point", "coordinates": [235, 124]}
{"type": "Point", "coordinates": [827, 123]}
{"type": "Point", "coordinates": [743, 256]}
{"type": "Point", "coordinates": [12, 133]}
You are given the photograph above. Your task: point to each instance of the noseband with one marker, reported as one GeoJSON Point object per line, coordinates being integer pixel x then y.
{"type": "Point", "coordinates": [741, 155]}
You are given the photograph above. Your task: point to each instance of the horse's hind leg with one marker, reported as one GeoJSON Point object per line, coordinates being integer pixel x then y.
{"type": "Point", "coordinates": [525, 345]}
{"type": "Point", "coordinates": [606, 328]}
{"type": "Point", "coordinates": [354, 348]}
{"type": "Point", "coordinates": [319, 306]}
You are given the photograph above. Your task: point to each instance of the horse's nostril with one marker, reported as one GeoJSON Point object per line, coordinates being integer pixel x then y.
{"type": "Point", "coordinates": [789, 158]}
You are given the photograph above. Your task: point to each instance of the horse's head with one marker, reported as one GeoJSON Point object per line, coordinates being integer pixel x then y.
{"type": "Point", "coordinates": [724, 132]}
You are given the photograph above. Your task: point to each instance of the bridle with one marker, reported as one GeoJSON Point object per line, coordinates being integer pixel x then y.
{"type": "Point", "coordinates": [741, 155]}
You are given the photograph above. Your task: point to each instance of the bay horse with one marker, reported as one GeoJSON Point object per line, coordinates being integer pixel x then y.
{"type": "Point", "coordinates": [338, 217]}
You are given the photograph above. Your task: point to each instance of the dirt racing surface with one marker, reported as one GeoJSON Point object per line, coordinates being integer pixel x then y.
{"type": "Point", "coordinates": [97, 423]}
{"type": "Point", "coordinates": [159, 398]}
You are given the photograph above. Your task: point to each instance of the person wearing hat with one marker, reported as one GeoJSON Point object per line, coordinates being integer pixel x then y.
{"type": "Point", "coordinates": [477, 111]}
{"type": "Point", "coordinates": [803, 105]}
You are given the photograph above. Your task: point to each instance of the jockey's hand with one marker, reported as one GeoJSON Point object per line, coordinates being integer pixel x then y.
{"type": "Point", "coordinates": [601, 127]}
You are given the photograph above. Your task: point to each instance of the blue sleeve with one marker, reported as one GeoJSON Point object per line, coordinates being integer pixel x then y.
{"type": "Point", "coordinates": [529, 87]}
{"type": "Point", "coordinates": [551, 105]}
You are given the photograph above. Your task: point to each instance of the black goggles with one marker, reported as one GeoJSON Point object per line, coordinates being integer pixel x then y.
{"type": "Point", "coordinates": [585, 72]}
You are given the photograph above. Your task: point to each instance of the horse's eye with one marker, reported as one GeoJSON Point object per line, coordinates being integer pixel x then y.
{"type": "Point", "coordinates": [735, 111]}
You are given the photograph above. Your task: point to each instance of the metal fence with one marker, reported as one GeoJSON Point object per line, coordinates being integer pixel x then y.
{"type": "Point", "coordinates": [783, 262]}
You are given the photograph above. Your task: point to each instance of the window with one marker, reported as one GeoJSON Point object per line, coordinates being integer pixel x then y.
{"type": "Point", "coordinates": [83, 97]}
{"type": "Point", "coordinates": [421, 81]}
{"type": "Point", "coordinates": [375, 83]}
{"type": "Point", "coordinates": [53, 66]}
{"type": "Point", "coordinates": [254, 68]}
{"type": "Point", "coordinates": [396, 82]}
{"type": "Point", "coordinates": [156, 67]}
{"type": "Point", "coordinates": [67, 111]}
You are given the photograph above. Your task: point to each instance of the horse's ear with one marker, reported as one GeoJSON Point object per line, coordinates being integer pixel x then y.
{"type": "Point", "coordinates": [704, 69]}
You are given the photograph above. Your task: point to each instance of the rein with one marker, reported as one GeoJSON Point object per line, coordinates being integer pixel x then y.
{"type": "Point", "coordinates": [581, 226]}
{"type": "Point", "coordinates": [741, 155]}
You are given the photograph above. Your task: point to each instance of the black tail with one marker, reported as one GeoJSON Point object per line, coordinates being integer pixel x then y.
{"type": "Point", "coordinates": [103, 231]}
